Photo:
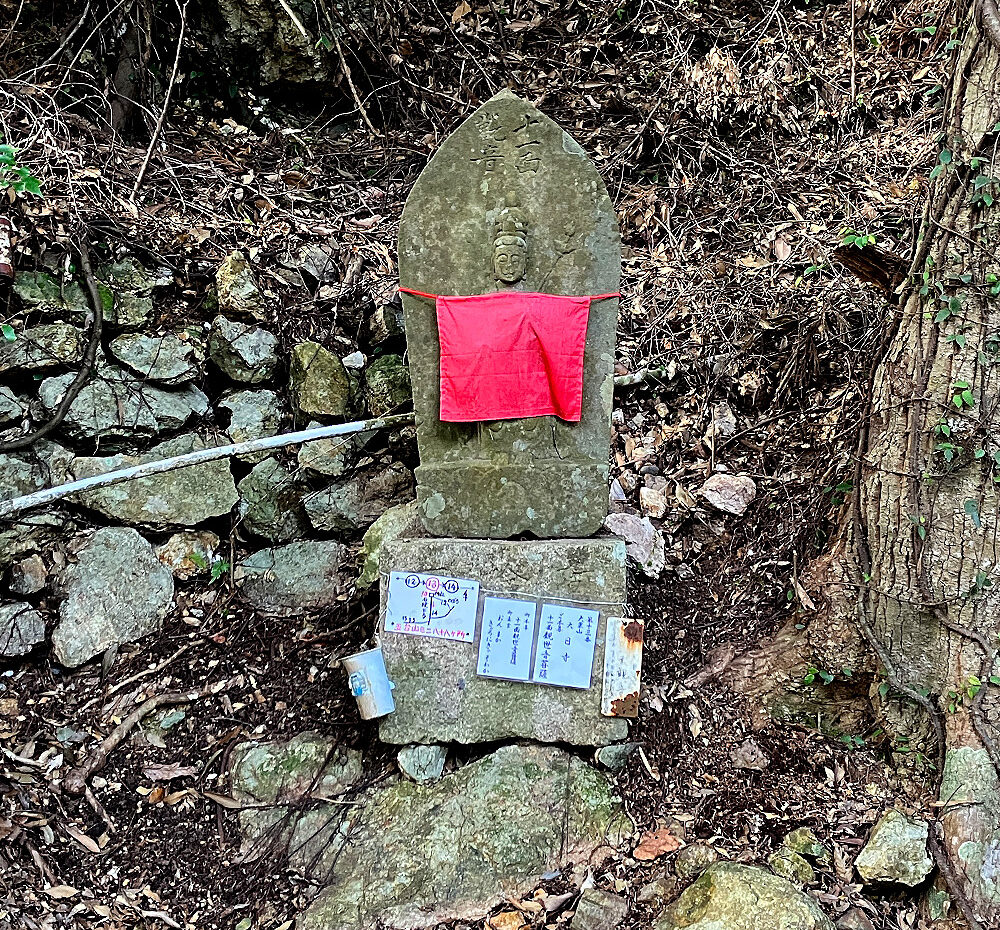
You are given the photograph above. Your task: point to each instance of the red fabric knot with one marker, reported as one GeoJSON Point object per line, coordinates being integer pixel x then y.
{"type": "Point", "coordinates": [510, 354]}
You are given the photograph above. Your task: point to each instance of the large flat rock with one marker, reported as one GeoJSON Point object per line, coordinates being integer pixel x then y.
{"type": "Point", "coordinates": [422, 855]}
{"type": "Point", "coordinates": [439, 697]}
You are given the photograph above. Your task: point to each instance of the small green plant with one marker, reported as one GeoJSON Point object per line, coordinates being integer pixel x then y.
{"type": "Point", "coordinates": [822, 674]}
{"type": "Point", "coordinates": [859, 240]}
{"type": "Point", "coordinates": [852, 742]}
{"type": "Point", "coordinates": [16, 177]}
{"type": "Point", "coordinates": [217, 567]}
{"type": "Point", "coordinates": [944, 159]}
{"type": "Point", "coordinates": [962, 396]}
{"type": "Point", "coordinates": [920, 523]}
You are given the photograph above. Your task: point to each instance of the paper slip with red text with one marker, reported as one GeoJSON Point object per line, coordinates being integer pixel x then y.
{"type": "Point", "coordinates": [432, 605]}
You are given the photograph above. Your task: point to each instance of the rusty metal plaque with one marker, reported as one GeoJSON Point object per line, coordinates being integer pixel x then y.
{"type": "Point", "coordinates": [622, 667]}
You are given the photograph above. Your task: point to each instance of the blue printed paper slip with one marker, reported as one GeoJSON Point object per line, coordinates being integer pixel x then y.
{"type": "Point", "coordinates": [565, 653]}
{"type": "Point", "coordinates": [505, 639]}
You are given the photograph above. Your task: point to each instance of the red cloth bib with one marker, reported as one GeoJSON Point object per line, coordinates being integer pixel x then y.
{"type": "Point", "coordinates": [510, 354]}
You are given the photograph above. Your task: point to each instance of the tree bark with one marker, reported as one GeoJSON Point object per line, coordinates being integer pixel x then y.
{"type": "Point", "coordinates": [917, 562]}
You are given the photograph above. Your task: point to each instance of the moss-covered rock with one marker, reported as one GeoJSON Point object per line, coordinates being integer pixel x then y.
{"type": "Point", "coordinates": [48, 345]}
{"type": "Point", "coordinates": [729, 896]}
{"type": "Point", "coordinates": [318, 382]}
{"type": "Point", "coordinates": [423, 855]}
{"type": "Point", "coordinates": [387, 385]}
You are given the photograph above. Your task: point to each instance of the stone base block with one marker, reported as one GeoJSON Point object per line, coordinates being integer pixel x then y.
{"type": "Point", "coordinates": [439, 697]}
{"type": "Point", "coordinates": [492, 501]}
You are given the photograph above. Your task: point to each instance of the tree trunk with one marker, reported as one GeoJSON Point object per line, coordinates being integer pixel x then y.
{"type": "Point", "coordinates": [917, 563]}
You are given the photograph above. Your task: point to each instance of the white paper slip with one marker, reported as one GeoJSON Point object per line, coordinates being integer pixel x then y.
{"type": "Point", "coordinates": [622, 667]}
{"type": "Point", "coordinates": [565, 654]}
{"type": "Point", "coordinates": [432, 605]}
{"type": "Point", "coordinates": [505, 639]}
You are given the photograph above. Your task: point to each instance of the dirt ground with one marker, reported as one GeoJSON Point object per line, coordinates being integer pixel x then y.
{"type": "Point", "coordinates": [739, 141]}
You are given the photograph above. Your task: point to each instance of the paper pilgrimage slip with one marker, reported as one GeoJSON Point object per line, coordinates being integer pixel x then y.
{"type": "Point", "coordinates": [565, 653]}
{"type": "Point", "coordinates": [505, 639]}
{"type": "Point", "coordinates": [432, 605]}
{"type": "Point", "coordinates": [622, 667]}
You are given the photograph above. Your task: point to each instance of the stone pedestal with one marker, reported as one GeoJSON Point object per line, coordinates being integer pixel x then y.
{"type": "Point", "coordinates": [439, 697]}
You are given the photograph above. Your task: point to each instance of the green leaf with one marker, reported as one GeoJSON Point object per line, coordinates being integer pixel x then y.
{"type": "Point", "coordinates": [972, 509]}
{"type": "Point", "coordinates": [8, 332]}
{"type": "Point", "coordinates": [942, 315]}
{"type": "Point", "coordinates": [945, 157]}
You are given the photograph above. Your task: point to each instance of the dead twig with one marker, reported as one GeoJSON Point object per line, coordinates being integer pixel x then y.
{"type": "Point", "coordinates": [76, 779]}
{"type": "Point", "coordinates": [182, 9]}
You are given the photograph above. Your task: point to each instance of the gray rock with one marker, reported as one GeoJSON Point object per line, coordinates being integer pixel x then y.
{"type": "Point", "coordinates": [299, 781]}
{"type": "Point", "coordinates": [271, 503]}
{"type": "Point", "coordinates": [643, 541]}
{"type": "Point", "coordinates": [729, 493]}
{"type": "Point", "coordinates": [39, 290]}
{"type": "Point", "coordinates": [116, 592]}
{"type": "Point", "coordinates": [615, 757]}
{"type": "Point", "coordinates": [243, 352]}
{"type": "Point", "coordinates": [599, 910]}
{"type": "Point", "coordinates": [132, 288]}
{"type": "Point", "coordinates": [12, 408]}
{"type": "Point", "coordinates": [116, 407]}
{"type": "Point", "coordinates": [386, 323]}
{"type": "Point", "coordinates": [44, 465]}
{"type": "Point", "coordinates": [182, 497]}
{"type": "Point", "coordinates": [356, 503]}
{"type": "Point", "coordinates": [693, 859]}
{"type": "Point", "coordinates": [318, 382]}
{"type": "Point", "coordinates": [439, 697]}
{"type": "Point", "coordinates": [896, 851]}
{"type": "Point", "coordinates": [293, 578]}
{"type": "Point", "coordinates": [33, 532]}
{"type": "Point", "coordinates": [29, 576]}
{"type": "Point", "coordinates": [399, 520]}
{"type": "Point", "coordinates": [355, 361]}
{"type": "Point", "coordinates": [424, 855]}
{"type": "Point", "coordinates": [789, 864]}
{"type": "Point", "coordinates": [238, 293]}
{"type": "Point", "coordinates": [125, 289]}
{"type": "Point", "coordinates": [252, 415]}
{"type": "Point", "coordinates": [48, 345]}
{"type": "Point", "coordinates": [190, 553]}
{"type": "Point", "coordinates": [387, 385]}
{"type": "Point", "coordinates": [540, 475]}
{"type": "Point", "coordinates": [422, 763]}
{"type": "Point", "coordinates": [167, 359]}
{"type": "Point", "coordinates": [21, 629]}
{"type": "Point", "coordinates": [658, 891]}
{"type": "Point", "coordinates": [325, 456]}
{"type": "Point", "coordinates": [729, 896]}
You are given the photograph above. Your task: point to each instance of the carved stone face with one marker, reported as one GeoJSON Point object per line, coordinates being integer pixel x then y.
{"type": "Point", "coordinates": [509, 259]}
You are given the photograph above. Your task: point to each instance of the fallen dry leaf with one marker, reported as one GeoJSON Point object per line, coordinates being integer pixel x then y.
{"type": "Point", "coordinates": [60, 891]}
{"type": "Point", "coordinates": [508, 920]}
{"type": "Point", "coordinates": [166, 772]}
{"type": "Point", "coordinates": [656, 843]}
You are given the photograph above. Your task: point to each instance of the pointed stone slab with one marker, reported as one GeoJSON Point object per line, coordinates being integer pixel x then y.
{"type": "Point", "coordinates": [440, 698]}
{"type": "Point", "coordinates": [510, 168]}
